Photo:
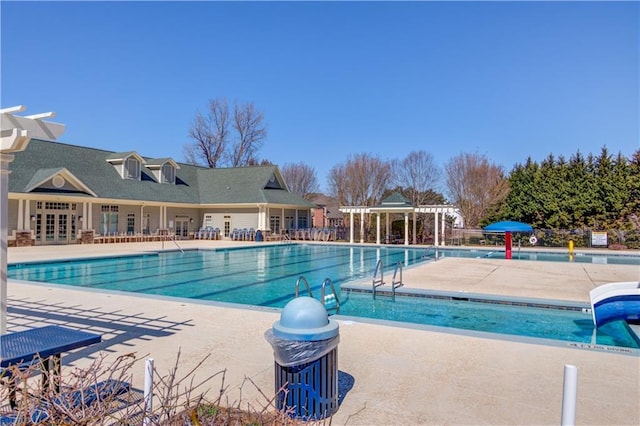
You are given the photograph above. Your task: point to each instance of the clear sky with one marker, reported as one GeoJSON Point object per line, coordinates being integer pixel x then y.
{"type": "Point", "coordinates": [504, 79]}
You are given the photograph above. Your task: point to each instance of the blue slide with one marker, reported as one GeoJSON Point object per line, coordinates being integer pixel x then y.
{"type": "Point", "coordinates": [615, 301]}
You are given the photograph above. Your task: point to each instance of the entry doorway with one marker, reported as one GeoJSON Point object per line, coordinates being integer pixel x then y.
{"type": "Point", "coordinates": [52, 228]}
{"type": "Point", "coordinates": [182, 227]}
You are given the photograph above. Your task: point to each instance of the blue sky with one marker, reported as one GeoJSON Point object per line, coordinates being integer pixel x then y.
{"type": "Point", "coordinates": [505, 79]}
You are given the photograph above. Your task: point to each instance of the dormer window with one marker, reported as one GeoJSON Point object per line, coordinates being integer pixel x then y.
{"type": "Point", "coordinates": [132, 168]}
{"type": "Point", "coordinates": [163, 169]}
{"type": "Point", "coordinates": [168, 174]}
{"type": "Point", "coordinates": [128, 164]}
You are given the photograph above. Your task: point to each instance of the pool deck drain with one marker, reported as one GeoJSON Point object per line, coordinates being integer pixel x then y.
{"type": "Point", "coordinates": [398, 375]}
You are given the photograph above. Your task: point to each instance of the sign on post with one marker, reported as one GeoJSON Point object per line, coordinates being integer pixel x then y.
{"type": "Point", "coordinates": [599, 238]}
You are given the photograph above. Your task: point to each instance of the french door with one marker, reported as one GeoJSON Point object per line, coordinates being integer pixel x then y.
{"type": "Point", "coordinates": [53, 227]}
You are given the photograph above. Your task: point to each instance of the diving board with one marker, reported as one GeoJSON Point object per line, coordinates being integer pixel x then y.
{"type": "Point", "coordinates": [615, 301]}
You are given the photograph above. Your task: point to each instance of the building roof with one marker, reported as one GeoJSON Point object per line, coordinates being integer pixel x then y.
{"type": "Point", "coordinates": [395, 202]}
{"type": "Point", "coordinates": [94, 176]}
{"type": "Point", "coordinates": [331, 204]}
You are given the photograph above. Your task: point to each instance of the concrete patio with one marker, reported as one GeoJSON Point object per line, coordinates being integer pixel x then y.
{"type": "Point", "coordinates": [400, 375]}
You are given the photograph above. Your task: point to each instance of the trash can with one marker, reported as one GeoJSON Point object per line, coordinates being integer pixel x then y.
{"type": "Point", "coordinates": [305, 347]}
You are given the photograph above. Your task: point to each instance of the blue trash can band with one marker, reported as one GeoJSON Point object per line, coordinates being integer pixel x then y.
{"type": "Point", "coordinates": [290, 353]}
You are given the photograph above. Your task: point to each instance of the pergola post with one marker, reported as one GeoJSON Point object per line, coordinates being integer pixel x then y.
{"type": "Point", "coordinates": [435, 227]}
{"type": "Point", "coordinates": [351, 227]}
{"type": "Point", "coordinates": [414, 228]}
{"type": "Point", "coordinates": [15, 134]}
{"type": "Point", "coordinates": [362, 226]}
{"type": "Point", "coordinates": [388, 229]}
{"type": "Point", "coordinates": [378, 228]}
{"type": "Point", "coordinates": [406, 229]}
{"type": "Point", "coordinates": [5, 159]}
{"type": "Point", "coordinates": [444, 231]}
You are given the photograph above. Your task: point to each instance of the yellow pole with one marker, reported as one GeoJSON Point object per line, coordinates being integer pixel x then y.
{"type": "Point", "coordinates": [570, 250]}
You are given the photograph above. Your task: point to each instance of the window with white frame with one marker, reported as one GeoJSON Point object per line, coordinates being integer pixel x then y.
{"type": "Point", "coordinates": [108, 219]}
{"type": "Point", "coordinates": [302, 222]}
{"type": "Point", "coordinates": [168, 174]}
{"type": "Point", "coordinates": [274, 224]}
{"type": "Point", "coordinates": [132, 168]}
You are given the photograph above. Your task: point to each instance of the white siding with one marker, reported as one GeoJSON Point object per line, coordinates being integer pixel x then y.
{"type": "Point", "coordinates": [238, 220]}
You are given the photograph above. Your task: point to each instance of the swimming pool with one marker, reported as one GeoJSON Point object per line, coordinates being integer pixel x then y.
{"type": "Point", "coordinates": [266, 276]}
{"type": "Point", "coordinates": [578, 257]}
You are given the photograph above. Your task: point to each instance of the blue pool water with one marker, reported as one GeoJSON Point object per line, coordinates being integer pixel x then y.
{"type": "Point", "coordinates": [266, 276]}
{"type": "Point", "coordinates": [498, 253]}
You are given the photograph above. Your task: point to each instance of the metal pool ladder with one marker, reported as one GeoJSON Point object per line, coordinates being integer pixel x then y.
{"type": "Point", "coordinates": [377, 282]}
{"type": "Point", "coordinates": [306, 284]}
{"type": "Point", "coordinates": [396, 280]}
{"type": "Point", "coordinates": [330, 300]}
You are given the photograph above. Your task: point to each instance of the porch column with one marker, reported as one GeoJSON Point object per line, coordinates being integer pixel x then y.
{"type": "Point", "coordinates": [27, 215]}
{"type": "Point", "coordinates": [261, 221]}
{"type": "Point", "coordinates": [89, 216]}
{"type": "Point", "coordinates": [362, 226]}
{"type": "Point", "coordinates": [406, 229]}
{"type": "Point", "coordinates": [85, 219]}
{"type": "Point", "coordinates": [435, 227]}
{"type": "Point", "coordinates": [378, 228]}
{"type": "Point", "coordinates": [20, 224]}
{"type": "Point", "coordinates": [296, 216]}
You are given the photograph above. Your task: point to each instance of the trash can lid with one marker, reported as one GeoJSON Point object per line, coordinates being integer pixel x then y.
{"type": "Point", "coordinates": [304, 318]}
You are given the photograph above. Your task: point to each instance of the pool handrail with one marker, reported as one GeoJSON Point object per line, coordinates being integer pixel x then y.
{"type": "Point", "coordinates": [306, 284]}
{"type": "Point", "coordinates": [396, 283]}
{"type": "Point", "coordinates": [377, 282]}
{"type": "Point", "coordinates": [333, 293]}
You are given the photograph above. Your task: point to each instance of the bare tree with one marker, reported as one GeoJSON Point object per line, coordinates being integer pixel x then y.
{"type": "Point", "coordinates": [249, 125]}
{"type": "Point", "coordinates": [475, 185]}
{"type": "Point", "coordinates": [211, 135]}
{"type": "Point", "coordinates": [417, 173]}
{"type": "Point", "coordinates": [300, 178]}
{"type": "Point", "coordinates": [360, 180]}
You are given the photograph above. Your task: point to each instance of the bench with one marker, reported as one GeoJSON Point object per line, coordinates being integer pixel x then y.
{"type": "Point", "coordinates": [105, 391]}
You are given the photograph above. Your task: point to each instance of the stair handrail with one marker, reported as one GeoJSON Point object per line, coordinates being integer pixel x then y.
{"type": "Point", "coordinates": [396, 283]}
{"type": "Point", "coordinates": [380, 281]}
{"type": "Point", "coordinates": [333, 291]}
{"type": "Point", "coordinates": [306, 284]}
{"type": "Point", "coordinates": [171, 238]}
{"type": "Point", "coordinates": [176, 243]}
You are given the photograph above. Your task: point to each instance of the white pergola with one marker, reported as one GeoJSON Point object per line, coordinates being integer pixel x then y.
{"type": "Point", "coordinates": [436, 209]}
{"type": "Point", "coordinates": [389, 208]}
{"type": "Point", "coordinates": [15, 134]}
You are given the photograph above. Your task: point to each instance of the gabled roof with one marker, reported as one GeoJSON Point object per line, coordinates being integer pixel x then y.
{"type": "Point", "coordinates": [244, 185]}
{"type": "Point", "coordinates": [90, 171]}
{"type": "Point", "coordinates": [121, 156]}
{"type": "Point", "coordinates": [41, 176]}
{"type": "Point", "coordinates": [156, 163]}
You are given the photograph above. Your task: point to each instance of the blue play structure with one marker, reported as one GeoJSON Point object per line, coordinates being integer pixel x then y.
{"type": "Point", "coordinates": [615, 301]}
